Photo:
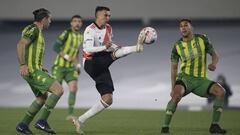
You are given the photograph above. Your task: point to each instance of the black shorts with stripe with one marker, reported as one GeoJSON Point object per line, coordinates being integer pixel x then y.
{"type": "Point", "coordinates": [98, 69]}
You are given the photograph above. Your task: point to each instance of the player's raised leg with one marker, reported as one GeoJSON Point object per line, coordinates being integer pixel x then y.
{"type": "Point", "coordinates": [219, 93]}
{"type": "Point", "coordinates": [124, 51]}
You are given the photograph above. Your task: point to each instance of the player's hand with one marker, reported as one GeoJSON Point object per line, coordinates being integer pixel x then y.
{"type": "Point", "coordinates": [45, 70]}
{"type": "Point", "coordinates": [23, 70]}
{"type": "Point", "coordinates": [212, 67]}
{"type": "Point", "coordinates": [79, 71]}
{"type": "Point", "coordinates": [108, 44]}
{"type": "Point", "coordinates": [171, 94]}
{"type": "Point", "coordinates": [70, 59]}
{"type": "Point", "coordinates": [79, 68]}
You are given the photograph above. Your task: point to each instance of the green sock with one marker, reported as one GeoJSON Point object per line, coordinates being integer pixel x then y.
{"type": "Point", "coordinates": [71, 102]}
{"type": "Point", "coordinates": [217, 110]}
{"type": "Point", "coordinates": [171, 108]}
{"type": "Point", "coordinates": [49, 105]}
{"type": "Point", "coordinates": [31, 112]}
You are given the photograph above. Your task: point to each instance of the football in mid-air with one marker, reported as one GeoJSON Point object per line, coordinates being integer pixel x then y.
{"type": "Point", "coordinates": [150, 33]}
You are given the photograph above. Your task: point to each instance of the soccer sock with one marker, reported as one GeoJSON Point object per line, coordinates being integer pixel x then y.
{"type": "Point", "coordinates": [217, 110]}
{"type": "Point", "coordinates": [71, 102]}
{"type": "Point", "coordinates": [31, 112]}
{"type": "Point", "coordinates": [49, 105]}
{"type": "Point", "coordinates": [123, 51]}
{"type": "Point", "coordinates": [95, 109]}
{"type": "Point", "coordinates": [171, 108]}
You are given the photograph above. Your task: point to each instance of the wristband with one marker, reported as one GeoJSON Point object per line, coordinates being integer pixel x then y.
{"type": "Point", "coordinates": [66, 57]}
{"type": "Point", "coordinates": [78, 65]}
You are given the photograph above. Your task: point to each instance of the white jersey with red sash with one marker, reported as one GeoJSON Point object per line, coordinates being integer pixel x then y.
{"type": "Point", "coordinates": [95, 38]}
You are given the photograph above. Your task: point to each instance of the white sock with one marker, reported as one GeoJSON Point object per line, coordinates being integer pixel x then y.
{"type": "Point", "coordinates": [123, 51]}
{"type": "Point", "coordinates": [95, 109]}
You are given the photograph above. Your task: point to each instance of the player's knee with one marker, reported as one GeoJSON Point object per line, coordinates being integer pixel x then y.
{"type": "Point", "coordinates": [57, 89]}
{"type": "Point", "coordinates": [73, 88]}
{"type": "Point", "coordinates": [177, 95]}
{"type": "Point", "coordinates": [176, 98]}
{"type": "Point", "coordinates": [60, 91]}
{"type": "Point", "coordinates": [107, 99]}
{"type": "Point", "coordinates": [41, 100]}
{"type": "Point", "coordinates": [221, 92]}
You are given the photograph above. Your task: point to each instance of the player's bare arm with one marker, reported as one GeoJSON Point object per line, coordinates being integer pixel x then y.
{"type": "Point", "coordinates": [78, 63]}
{"type": "Point", "coordinates": [21, 53]}
{"type": "Point", "coordinates": [212, 66]}
{"type": "Point", "coordinates": [174, 70]}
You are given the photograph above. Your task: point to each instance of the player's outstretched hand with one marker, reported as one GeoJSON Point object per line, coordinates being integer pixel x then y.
{"type": "Point", "coordinates": [108, 44]}
{"type": "Point", "coordinates": [212, 67]}
{"type": "Point", "coordinates": [23, 70]}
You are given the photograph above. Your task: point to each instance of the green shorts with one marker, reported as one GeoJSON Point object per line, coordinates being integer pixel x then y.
{"type": "Point", "coordinates": [198, 86]}
{"type": "Point", "coordinates": [39, 82]}
{"type": "Point", "coordinates": [62, 73]}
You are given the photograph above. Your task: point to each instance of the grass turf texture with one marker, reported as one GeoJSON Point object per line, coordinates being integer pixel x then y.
{"type": "Point", "coordinates": [126, 122]}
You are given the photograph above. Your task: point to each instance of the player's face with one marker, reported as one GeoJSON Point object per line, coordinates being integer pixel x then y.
{"type": "Point", "coordinates": [185, 28]}
{"type": "Point", "coordinates": [76, 24]}
{"type": "Point", "coordinates": [104, 16]}
{"type": "Point", "coordinates": [46, 21]}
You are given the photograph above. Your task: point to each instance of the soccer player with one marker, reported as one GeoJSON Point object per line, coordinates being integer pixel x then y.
{"type": "Point", "coordinates": [30, 51]}
{"type": "Point", "coordinates": [67, 63]}
{"type": "Point", "coordinates": [192, 50]}
{"type": "Point", "coordinates": [98, 54]}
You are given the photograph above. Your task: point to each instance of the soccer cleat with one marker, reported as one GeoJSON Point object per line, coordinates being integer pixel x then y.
{"type": "Point", "coordinates": [216, 129]}
{"type": "Point", "coordinates": [165, 130]}
{"type": "Point", "coordinates": [78, 125]}
{"type": "Point", "coordinates": [42, 124]}
{"type": "Point", "coordinates": [23, 128]}
{"type": "Point", "coordinates": [140, 42]}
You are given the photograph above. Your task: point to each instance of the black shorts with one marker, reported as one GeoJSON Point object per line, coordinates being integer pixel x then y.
{"type": "Point", "coordinates": [98, 70]}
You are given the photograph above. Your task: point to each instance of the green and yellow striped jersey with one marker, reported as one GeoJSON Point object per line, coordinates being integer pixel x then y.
{"type": "Point", "coordinates": [69, 42]}
{"type": "Point", "coordinates": [193, 55]}
{"type": "Point", "coordinates": [34, 51]}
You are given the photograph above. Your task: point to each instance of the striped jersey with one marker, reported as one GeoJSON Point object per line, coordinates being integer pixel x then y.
{"type": "Point", "coordinates": [192, 55]}
{"type": "Point", "coordinates": [69, 42]}
{"type": "Point", "coordinates": [34, 51]}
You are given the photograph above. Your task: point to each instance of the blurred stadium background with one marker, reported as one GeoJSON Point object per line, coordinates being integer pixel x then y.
{"type": "Point", "coordinates": [142, 81]}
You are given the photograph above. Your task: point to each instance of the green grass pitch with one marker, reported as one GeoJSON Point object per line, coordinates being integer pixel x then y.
{"type": "Point", "coordinates": [126, 122]}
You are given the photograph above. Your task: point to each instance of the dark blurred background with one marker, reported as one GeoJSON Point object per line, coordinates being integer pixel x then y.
{"type": "Point", "coordinates": [141, 80]}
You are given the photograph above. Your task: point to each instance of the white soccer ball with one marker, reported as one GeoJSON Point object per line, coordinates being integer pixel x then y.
{"type": "Point", "coordinates": [151, 35]}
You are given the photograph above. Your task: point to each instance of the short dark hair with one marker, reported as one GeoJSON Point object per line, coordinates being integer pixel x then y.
{"type": "Point", "coordinates": [185, 20]}
{"type": "Point", "coordinates": [39, 14]}
{"type": "Point", "coordinates": [100, 8]}
{"type": "Point", "coordinates": [76, 16]}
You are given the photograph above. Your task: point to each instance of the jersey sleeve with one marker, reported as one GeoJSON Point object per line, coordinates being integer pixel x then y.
{"type": "Point", "coordinates": [88, 43]}
{"type": "Point", "coordinates": [58, 46]}
{"type": "Point", "coordinates": [174, 55]}
{"type": "Point", "coordinates": [30, 34]}
{"type": "Point", "coordinates": [208, 45]}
